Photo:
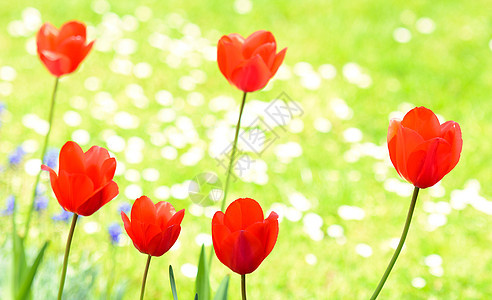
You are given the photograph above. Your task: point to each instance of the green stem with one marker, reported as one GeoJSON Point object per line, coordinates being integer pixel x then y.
{"type": "Point", "coordinates": [233, 154]}
{"type": "Point", "coordinates": [43, 153]}
{"type": "Point", "coordinates": [400, 245]}
{"type": "Point", "coordinates": [243, 286]}
{"type": "Point", "coordinates": [144, 280]}
{"type": "Point", "coordinates": [229, 169]}
{"type": "Point", "coordinates": [67, 252]}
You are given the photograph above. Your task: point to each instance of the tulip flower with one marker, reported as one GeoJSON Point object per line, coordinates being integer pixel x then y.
{"type": "Point", "coordinates": [242, 238]}
{"type": "Point", "coordinates": [153, 229]}
{"type": "Point", "coordinates": [249, 63]}
{"type": "Point", "coordinates": [423, 151]}
{"type": "Point", "coordinates": [84, 183]}
{"type": "Point", "coordinates": [62, 51]}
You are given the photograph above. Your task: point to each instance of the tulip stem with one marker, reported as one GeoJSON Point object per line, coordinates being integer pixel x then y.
{"type": "Point", "coordinates": [67, 252]}
{"type": "Point", "coordinates": [43, 153]}
{"type": "Point", "coordinates": [233, 153]}
{"type": "Point", "coordinates": [144, 279]}
{"type": "Point", "coordinates": [400, 245]}
{"type": "Point", "coordinates": [243, 286]}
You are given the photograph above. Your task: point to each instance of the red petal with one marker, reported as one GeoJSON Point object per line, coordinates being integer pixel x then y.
{"type": "Point", "coordinates": [71, 158]}
{"type": "Point", "coordinates": [451, 132]}
{"type": "Point", "coordinates": [164, 213]}
{"type": "Point", "coordinates": [71, 29]}
{"type": "Point", "coordinates": [242, 252]}
{"type": "Point", "coordinates": [45, 38]}
{"type": "Point", "coordinates": [242, 213]}
{"type": "Point", "coordinates": [429, 162]}
{"type": "Point", "coordinates": [255, 40]}
{"type": "Point", "coordinates": [75, 49]}
{"type": "Point", "coordinates": [279, 58]}
{"type": "Point", "coordinates": [253, 75]}
{"type": "Point", "coordinates": [229, 54]}
{"type": "Point", "coordinates": [176, 219]}
{"type": "Point", "coordinates": [98, 199]}
{"type": "Point", "coordinates": [406, 140]}
{"type": "Point", "coordinates": [144, 211]}
{"type": "Point", "coordinates": [423, 121]}
{"type": "Point", "coordinates": [58, 64]}
{"type": "Point", "coordinates": [267, 53]}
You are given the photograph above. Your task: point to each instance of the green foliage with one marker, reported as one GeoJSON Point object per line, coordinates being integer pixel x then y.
{"type": "Point", "coordinates": [222, 290]}
{"type": "Point", "coordinates": [202, 284]}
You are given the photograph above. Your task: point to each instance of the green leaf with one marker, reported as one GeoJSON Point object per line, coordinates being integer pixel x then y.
{"type": "Point", "coordinates": [19, 267]}
{"type": "Point", "coordinates": [25, 289]}
{"type": "Point", "coordinates": [196, 296]}
{"type": "Point", "coordinates": [173, 283]}
{"type": "Point", "coordinates": [222, 291]}
{"type": "Point", "coordinates": [202, 284]}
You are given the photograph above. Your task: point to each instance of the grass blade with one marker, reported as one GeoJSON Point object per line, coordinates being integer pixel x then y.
{"type": "Point", "coordinates": [202, 284]}
{"type": "Point", "coordinates": [223, 288]}
{"type": "Point", "coordinates": [25, 289]}
{"type": "Point", "coordinates": [173, 283]}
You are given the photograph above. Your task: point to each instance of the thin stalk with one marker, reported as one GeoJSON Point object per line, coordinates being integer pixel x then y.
{"type": "Point", "coordinates": [144, 280]}
{"type": "Point", "coordinates": [400, 245]}
{"type": "Point", "coordinates": [43, 153]}
{"type": "Point", "coordinates": [233, 154]}
{"type": "Point", "coordinates": [65, 259]}
{"type": "Point", "coordinates": [229, 169]}
{"type": "Point", "coordinates": [243, 286]}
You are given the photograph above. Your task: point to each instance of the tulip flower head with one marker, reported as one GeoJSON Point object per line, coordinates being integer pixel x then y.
{"type": "Point", "coordinates": [249, 63]}
{"type": "Point", "coordinates": [153, 228]}
{"type": "Point", "coordinates": [84, 182]}
{"type": "Point", "coordinates": [422, 150]}
{"type": "Point", "coordinates": [61, 51]}
{"type": "Point", "coordinates": [242, 238]}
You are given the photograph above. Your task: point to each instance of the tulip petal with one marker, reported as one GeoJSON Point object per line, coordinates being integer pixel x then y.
{"type": "Point", "coordinates": [164, 213]}
{"type": "Point", "coordinates": [46, 37]}
{"type": "Point", "coordinates": [251, 76]}
{"type": "Point", "coordinates": [403, 144]}
{"type": "Point", "coordinates": [57, 63]}
{"type": "Point", "coordinates": [176, 219]}
{"type": "Point", "coordinates": [143, 210]}
{"type": "Point", "coordinates": [76, 189]}
{"type": "Point", "coordinates": [71, 158]}
{"type": "Point", "coordinates": [451, 132]}
{"type": "Point", "coordinates": [71, 29]}
{"type": "Point", "coordinates": [229, 53]}
{"type": "Point", "coordinates": [242, 252]}
{"type": "Point", "coordinates": [98, 199]}
{"type": "Point", "coordinates": [279, 58]}
{"type": "Point", "coordinates": [423, 121]}
{"type": "Point", "coordinates": [267, 53]}
{"type": "Point", "coordinates": [429, 162]}
{"type": "Point", "coordinates": [75, 49]}
{"type": "Point", "coordinates": [242, 213]}
{"type": "Point", "coordinates": [255, 40]}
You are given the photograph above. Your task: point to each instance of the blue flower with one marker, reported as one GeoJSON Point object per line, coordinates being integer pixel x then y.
{"type": "Point", "coordinates": [16, 156]}
{"type": "Point", "coordinates": [62, 216]}
{"type": "Point", "coordinates": [10, 206]}
{"type": "Point", "coordinates": [51, 158]}
{"type": "Point", "coordinates": [40, 202]}
{"type": "Point", "coordinates": [124, 207]}
{"type": "Point", "coordinates": [114, 231]}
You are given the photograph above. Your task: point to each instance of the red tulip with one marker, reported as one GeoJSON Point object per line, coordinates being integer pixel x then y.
{"type": "Point", "coordinates": [85, 180]}
{"type": "Point", "coordinates": [421, 149]}
{"type": "Point", "coordinates": [62, 51]}
{"type": "Point", "coordinates": [242, 238]}
{"type": "Point", "coordinates": [154, 228]}
{"type": "Point", "coordinates": [249, 63]}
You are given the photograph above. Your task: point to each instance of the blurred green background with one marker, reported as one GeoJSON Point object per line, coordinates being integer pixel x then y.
{"type": "Point", "coordinates": [150, 91]}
